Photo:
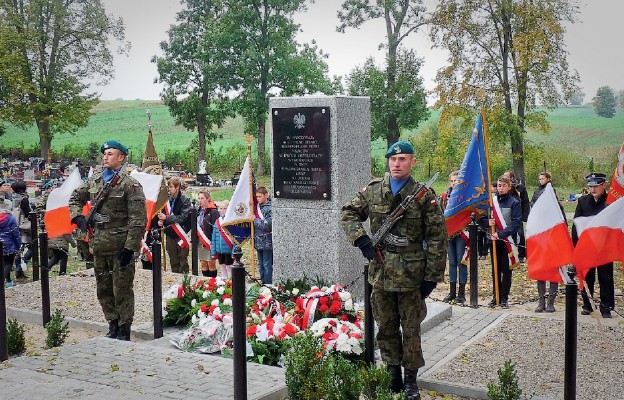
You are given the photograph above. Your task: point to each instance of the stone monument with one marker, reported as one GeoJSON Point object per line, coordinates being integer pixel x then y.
{"type": "Point", "coordinates": [320, 157]}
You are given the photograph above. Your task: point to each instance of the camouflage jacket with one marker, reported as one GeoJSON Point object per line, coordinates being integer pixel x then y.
{"type": "Point", "coordinates": [424, 257]}
{"type": "Point", "coordinates": [125, 206]}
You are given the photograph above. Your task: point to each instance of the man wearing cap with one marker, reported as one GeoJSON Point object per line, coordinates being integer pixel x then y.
{"type": "Point", "coordinates": [586, 208]}
{"type": "Point", "coordinates": [116, 234]}
{"type": "Point", "coordinates": [414, 259]}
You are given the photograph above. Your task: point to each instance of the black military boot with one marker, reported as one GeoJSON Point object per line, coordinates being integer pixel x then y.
{"type": "Point", "coordinates": [552, 295]}
{"type": "Point", "coordinates": [113, 329]}
{"type": "Point", "coordinates": [124, 331]}
{"type": "Point", "coordinates": [461, 295]}
{"type": "Point", "coordinates": [452, 294]}
{"type": "Point", "coordinates": [396, 384]}
{"type": "Point", "coordinates": [411, 387]}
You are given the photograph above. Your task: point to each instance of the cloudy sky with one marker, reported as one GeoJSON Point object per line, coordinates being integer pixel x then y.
{"type": "Point", "coordinates": [591, 43]}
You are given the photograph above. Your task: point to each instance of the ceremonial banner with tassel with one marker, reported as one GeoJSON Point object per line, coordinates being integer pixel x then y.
{"type": "Point", "coordinates": [616, 190]}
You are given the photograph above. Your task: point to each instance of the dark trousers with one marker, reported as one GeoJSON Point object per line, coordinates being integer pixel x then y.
{"type": "Point", "coordinates": [58, 256]}
{"type": "Point", "coordinates": [607, 290]}
{"type": "Point", "coordinates": [8, 266]}
{"type": "Point", "coordinates": [482, 242]}
{"type": "Point", "coordinates": [521, 244]}
{"type": "Point", "coordinates": [504, 273]}
{"type": "Point", "coordinates": [178, 257]}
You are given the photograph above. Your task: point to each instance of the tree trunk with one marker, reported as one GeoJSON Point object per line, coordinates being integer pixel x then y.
{"type": "Point", "coordinates": [517, 141]}
{"type": "Point", "coordinates": [261, 139]}
{"type": "Point", "coordinates": [45, 138]}
{"type": "Point", "coordinates": [201, 138]}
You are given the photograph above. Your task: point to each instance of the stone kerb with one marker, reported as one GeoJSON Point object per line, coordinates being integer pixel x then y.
{"type": "Point", "coordinates": [307, 236]}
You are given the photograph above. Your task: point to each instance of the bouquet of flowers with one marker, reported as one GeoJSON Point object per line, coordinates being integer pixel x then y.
{"type": "Point", "coordinates": [340, 335]}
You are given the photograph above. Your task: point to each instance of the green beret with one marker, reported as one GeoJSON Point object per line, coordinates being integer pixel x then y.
{"type": "Point", "coordinates": [400, 147]}
{"type": "Point", "coordinates": [113, 144]}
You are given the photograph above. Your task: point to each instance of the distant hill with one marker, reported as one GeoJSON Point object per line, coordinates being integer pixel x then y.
{"type": "Point", "coordinates": [576, 129]}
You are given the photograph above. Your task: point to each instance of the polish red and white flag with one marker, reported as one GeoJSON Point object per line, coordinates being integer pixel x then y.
{"type": "Point", "coordinates": [602, 240]}
{"type": "Point", "coordinates": [57, 219]}
{"type": "Point", "coordinates": [549, 245]}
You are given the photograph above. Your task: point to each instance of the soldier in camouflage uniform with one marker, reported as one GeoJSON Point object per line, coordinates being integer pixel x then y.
{"type": "Point", "coordinates": [411, 268]}
{"type": "Point", "coordinates": [117, 232]}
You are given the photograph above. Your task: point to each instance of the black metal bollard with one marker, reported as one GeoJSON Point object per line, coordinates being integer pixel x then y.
{"type": "Point", "coordinates": [157, 284]}
{"type": "Point", "coordinates": [474, 262]}
{"type": "Point", "coordinates": [238, 324]}
{"type": "Point", "coordinates": [45, 278]}
{"type": "Point", "coordinates": [194, 241]}
{"type": "Point", "coordinates": [34, 246]}
{"type": "Point", "coordinates": [369, 323]}
{"type": "Point", "coordinates": [569, 380]}
{"type": "Point", "coordinates": [4, 344]}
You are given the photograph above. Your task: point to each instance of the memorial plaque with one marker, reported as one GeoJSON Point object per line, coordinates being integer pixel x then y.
{"type": "Point", "coordinates": [301, 153]}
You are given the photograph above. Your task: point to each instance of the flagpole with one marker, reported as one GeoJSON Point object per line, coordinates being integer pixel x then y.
{"type": "Point", "coordinates": [249, 139]}
{"type": "Point", "coordinates": [492, 228]}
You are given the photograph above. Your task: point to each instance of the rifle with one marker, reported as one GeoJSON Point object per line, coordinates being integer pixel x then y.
{"type": "Point", "coordinates": [96, 204]}
{"type": "Point", "coordinates": [397, 214]}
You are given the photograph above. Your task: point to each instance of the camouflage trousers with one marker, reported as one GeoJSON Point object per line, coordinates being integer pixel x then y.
{"type": "Point", "coordinates": [398, 316]}
{"type": "Point", "coordinates": [115, 288]}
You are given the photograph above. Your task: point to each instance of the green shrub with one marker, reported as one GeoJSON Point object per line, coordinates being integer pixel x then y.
{"type": "Point", "coordinates": [376, 382]}
{"type": "Point", "coordinates": [305, 373]}
{"type": "Point", "coordinates": [16, 338]}
{"type": "Point", "coordinates": [507, 387]}
{"type": "Point", "coordinates": [57, 330]}
{"type": "Point", "coordinates": [343, 381]}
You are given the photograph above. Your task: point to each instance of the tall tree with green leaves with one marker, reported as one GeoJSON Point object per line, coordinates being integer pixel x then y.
{"type": "Point", "coordinates": [48, 48]}
{"type": "Point", "coordinates": [409, 105]}
{"type": "Point", "coordinates": [401, 17]}
{"type": "Point", "coordinates": [508, 55]}
{"type": "Point", "coordinates": [194, 70]}
{"type": "Point", "coordinates": [270, 61]}
{"type": "Point", "coordinates": [605, 102]}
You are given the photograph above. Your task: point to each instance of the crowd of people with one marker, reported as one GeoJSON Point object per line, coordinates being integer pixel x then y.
{"type": "Point", "coordinates": [515, 206]}
{"type": "Point", "coordinates": [116, 232]}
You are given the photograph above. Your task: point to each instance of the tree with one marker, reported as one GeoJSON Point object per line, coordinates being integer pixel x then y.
{"type": "Point", "coordinates": [605, 102]}
{"type": "Point", "coordinates": [508, 55]}
{"type": "Point", "coordinates": [407, 108]}
{"type": "Point", "coordinates": [620, 98]}
{"type": "Point", "coordinates": [261, 35]}
{"type": "Point", "coordinates": [402, 17]}
{"type": "Point", "coordinates": [194, 70]}
{"type": "Point", "coordinates": [577, 98]}
{"type": "Point", "coordinates": [48, 48]}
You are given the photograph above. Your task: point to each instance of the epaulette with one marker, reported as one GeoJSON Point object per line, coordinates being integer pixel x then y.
{"type": "Point", "coordinates": [372, 182]}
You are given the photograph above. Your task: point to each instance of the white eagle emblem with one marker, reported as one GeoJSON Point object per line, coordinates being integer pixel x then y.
{"type": "Point", "coordinates": [299, 120]}
{"type": "Point", "coordinates": [241, 209]}
{"type": "Point", "coordinates": [397, 149]}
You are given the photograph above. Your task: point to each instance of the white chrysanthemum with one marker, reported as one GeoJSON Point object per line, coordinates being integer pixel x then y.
{"type": "Point", "coordinates": [344, 296]}
{"type": "Point", "coordinates": [348, 305]}
{"type": "Point", "coordinates": [295, 291]}
{"type": "Point", "coordinates": [227, 302]}
{"type": "Point", "coordinates": [214, 302]}
{"type": "Point", "coordinates": [194, 319]}
{"type": "Point", "coordinates": [206, 294]}
{"type": "Point", "coordinates": [220, 290]}
{"type": "Point", "coordinates": [216, 311]}
{"type": "Point", "coordinates": [164, 309]}
{"type": "Point", "coordinates": [266, 292]}
{"type": "Point", "coordinates": [193, 303]}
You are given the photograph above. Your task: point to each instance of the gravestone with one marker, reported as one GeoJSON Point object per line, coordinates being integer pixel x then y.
{"type": "Point", "coordinates": [320, 157]}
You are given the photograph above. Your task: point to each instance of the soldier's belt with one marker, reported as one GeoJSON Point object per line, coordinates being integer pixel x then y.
{"type": "Point", "coordinates": [113, 224]}
{"type": "Point", "coordinates": [402, 249]}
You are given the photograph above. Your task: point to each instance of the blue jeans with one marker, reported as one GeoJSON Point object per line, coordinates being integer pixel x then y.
{"type": "Point", "coordinates": [456, 249]}
{"type": "Point", "coordinates": [265, 261]}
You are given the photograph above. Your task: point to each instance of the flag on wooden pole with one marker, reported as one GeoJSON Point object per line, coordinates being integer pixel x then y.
{"type": "Point", "coordinates": [549, 245]}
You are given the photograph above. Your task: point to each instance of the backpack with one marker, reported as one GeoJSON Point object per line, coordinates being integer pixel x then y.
{"type": "Point", "coordinates": [22, 220]}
